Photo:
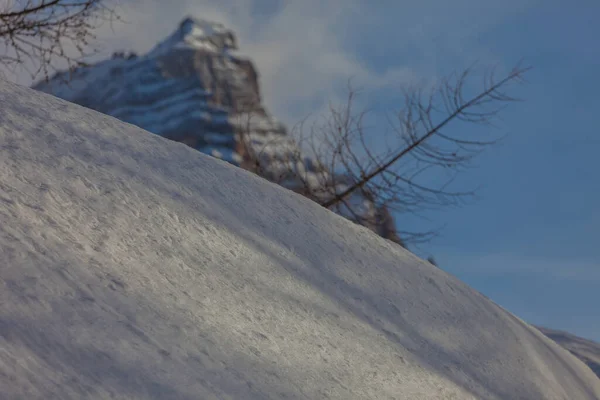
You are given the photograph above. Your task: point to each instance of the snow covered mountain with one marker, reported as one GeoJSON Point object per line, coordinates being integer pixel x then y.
{"type": "Point", "coordinates": [194, 87]}
{"type": "Point", "coordinates": [191, 88]}
{"type": "Point", "coordinates": [584, 349]}
{"type": "Point", "coordinates": [135, 267]}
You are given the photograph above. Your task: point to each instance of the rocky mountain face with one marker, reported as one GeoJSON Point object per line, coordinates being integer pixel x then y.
{"type": "Point", "coordinates": [194, 88]}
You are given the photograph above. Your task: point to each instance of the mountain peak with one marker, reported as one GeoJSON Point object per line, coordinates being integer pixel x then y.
{"type": "Point", "coordinates": [198, 34]}
{"type": "Point", "coordinates": [197, 28]}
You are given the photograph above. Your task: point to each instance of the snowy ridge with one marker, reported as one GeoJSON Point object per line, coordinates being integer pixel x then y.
{"type": "Point", "coordinates": [197, 34]}
{"type": "Point", "coordinates": [134, 267]}
{"type": "Point", "coordinates": [584, 349]}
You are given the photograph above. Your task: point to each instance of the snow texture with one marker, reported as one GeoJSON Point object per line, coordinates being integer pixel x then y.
{"type": "Point", "coordinates": [586, 350]}
{"type": "Point", "coordinates": [129, 270]}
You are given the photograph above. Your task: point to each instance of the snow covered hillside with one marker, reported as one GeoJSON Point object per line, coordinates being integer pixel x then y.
{"type": "Point", "coordinates": [584, 349]}
{"type": "Point", "coordinates": [135, 267]}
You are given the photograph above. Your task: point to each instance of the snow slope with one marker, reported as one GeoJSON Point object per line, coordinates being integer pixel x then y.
{"type": "Point", "coordinates": [586, 350]}
{"type": "Point", "coordinates": [129, 271]}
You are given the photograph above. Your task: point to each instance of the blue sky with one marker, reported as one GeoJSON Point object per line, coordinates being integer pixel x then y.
{"type": "Point", "coordinates": [530, 242]}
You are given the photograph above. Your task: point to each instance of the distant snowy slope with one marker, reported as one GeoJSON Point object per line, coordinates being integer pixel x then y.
{"type": "Point", "coordinates": [584, 349]}
{"type": "Point", "coordinates": [133, 267]}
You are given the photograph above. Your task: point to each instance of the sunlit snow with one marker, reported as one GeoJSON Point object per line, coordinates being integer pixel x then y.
{"type": "Point", "coordinates": [133, 267]}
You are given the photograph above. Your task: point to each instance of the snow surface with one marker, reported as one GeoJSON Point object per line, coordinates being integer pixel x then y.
{"type": "Point", "coordinates": [135, 267]}
{"type": "Point", "coordinates": [586, 350]}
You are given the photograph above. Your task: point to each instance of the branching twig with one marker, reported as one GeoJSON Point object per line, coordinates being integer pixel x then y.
{"type": "Point", "coordinates": [419, 174]}
{"type": "Point", "coordinates": [38, 35]}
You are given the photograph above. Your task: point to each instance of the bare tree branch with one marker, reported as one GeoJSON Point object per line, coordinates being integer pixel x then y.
{"type": "Point", "coordinates": [39, 35]}
{"type": "Point", "coordinates": [457, 108]}
{"type": "Point", "coordinates": [417, 174]}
